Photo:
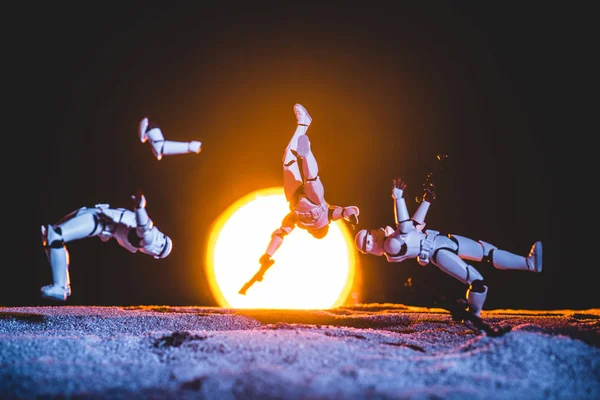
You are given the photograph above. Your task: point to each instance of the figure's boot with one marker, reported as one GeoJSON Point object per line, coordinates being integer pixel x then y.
{"type": "Point", "coordinates": [303, 119]}
{"type": "Point", "coordinates": [302, 115]}
{"type": "Point", "coordinates": [502, 259]}
{"type": "Point", "coordinates": [58, 256]}
{"type": "Point", "coordinates": [476, 295]}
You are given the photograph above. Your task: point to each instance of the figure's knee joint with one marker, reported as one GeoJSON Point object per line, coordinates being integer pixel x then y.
{"type": "Point", "coordinates": [56, 244]}
{"type": "Point", "coordinates": [52, 238]}
{"type": "Point", "coordinates": [477, 286]}
{"type": "Point", "coordinates": [281, 233]}
{"type": "Point", "coordinates": [473, 275]}
{"type": "Point", "coordinates": [489, 258]}
{"type": "Point", "coordinates": [488, 249]}
{"type": "Point", "coordinates": [455, 240]}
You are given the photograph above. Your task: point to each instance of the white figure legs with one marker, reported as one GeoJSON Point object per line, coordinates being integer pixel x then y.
{"type": "Point", "coordinates": [450, 257]}
{"type": "Point", "coordinates": [449, 262]}
{"type": "Point", "coordinates": [78, 225]}
{"type": "Point", "coordinates": [162, 147]}
{"type": "Point", "coordinates": [292, 174]}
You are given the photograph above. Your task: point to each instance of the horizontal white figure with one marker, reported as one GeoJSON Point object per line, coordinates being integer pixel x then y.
{"type": "Point", "coordinates": [305, 194]}
{"type": "Point", "coordinates": [447, 252]}
{"type": "Point", "coordinates": [133, 230]}
{"type": "Point", "coordinates": [151, 132]}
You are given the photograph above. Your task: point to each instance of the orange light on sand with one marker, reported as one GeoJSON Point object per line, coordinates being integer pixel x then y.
{"type": "Point", "coordinates": [308, 273]}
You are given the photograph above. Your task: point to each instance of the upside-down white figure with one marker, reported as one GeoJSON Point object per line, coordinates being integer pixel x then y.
{"type": "Point", "coordinates": [305, 194]}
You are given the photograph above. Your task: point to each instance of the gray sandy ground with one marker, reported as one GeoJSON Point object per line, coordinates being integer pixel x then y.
{"type": "Point", "coordinates": [378, 351]}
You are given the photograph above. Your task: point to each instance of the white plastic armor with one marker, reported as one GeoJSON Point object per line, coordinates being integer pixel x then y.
{"type": "Point", "coordinates": [162, 147]}
{"type": "Point", "coordinates": [133, 230]}
{"type": "Point", "coordinates": [447, 252]}
{"type": "Point", "coordinates": [304, 192]}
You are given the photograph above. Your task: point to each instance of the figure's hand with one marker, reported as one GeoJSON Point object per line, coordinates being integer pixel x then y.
{"type": "Point", "coordinates": [398, 186]}
{"type": "Point", "coordinates": [429, 193]}
{"type": "Point", "coordinates": [265, 259]}
{"type": "Point", "coordinates": [429, 183]}
{"type": "Point", "coordinates": [353, 219]}
{"type": "Point", "coordinates": [138, 199]}
{"type": "Point", "coordinates": [350, 214]}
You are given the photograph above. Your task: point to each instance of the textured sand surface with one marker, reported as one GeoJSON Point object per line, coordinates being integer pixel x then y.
{"type": "Point", "coordinates": [372, 351]}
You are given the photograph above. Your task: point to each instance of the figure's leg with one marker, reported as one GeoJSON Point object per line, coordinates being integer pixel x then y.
{"type": "Point", "coordinates": [58, 256]}
{"type": "Point", "coordinates": [476, 294]}
{"type": "Point", "coordinates": [162, 147]}
{"type": "Point", "coordinates": [309, 169]}
{"type": "Point", "coordinates": [449, 262]}
{"type": "Point", "coordinates": [54, 238]}
{"type": "Point", "coordinates": [501, 259]}
{"type": "Point", "coordinates": [292, 176]}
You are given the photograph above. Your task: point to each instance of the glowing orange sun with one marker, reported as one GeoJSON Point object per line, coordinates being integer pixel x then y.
{"type": "Point", "coordinates": [308, 273]}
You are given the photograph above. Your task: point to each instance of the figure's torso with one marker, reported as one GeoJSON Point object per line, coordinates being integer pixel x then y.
{"type": "Point", "coordinates": [120, 224]}
{"type": "Point", "coordinates": [309, 214]}
{"type": "Point", "coordinates": [402, 246]}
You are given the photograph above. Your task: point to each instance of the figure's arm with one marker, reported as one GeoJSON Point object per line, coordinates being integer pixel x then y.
{"type": "Point", "coordinates": [419, 215]}
{"type": "Point", "coordinates": [349, 214]}
{"type": "Point", "coordinates": [265, 260]}
{"type": "Point", "coordinates": [287, 226]}
{"type": "Point", "coordinates": [144, 223]}
{"type": "Point", "coordinates": [153, 242]}
{"type": "Point", "coordinates": [403, 221]}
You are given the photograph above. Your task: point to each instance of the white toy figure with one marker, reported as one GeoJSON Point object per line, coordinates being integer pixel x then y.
{"type": "Point", "coordinates": [305, 195]}
{"type": "Point", "coordinates": [133, 230]}
{"type": "Point", "coordinates": [162, 147]}
{"type": "Point", "coordinates": [447, 252]}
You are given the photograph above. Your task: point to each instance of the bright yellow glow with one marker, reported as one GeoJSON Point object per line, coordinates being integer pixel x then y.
{"type": "Point", "coordinates": [308, 273]}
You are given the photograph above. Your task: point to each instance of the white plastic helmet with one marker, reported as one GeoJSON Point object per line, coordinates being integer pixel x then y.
{"type": "Point", "coordinates": [167, 249]}
{"type": "Point", "coordinates": [370, 241]}
{"type": "Point", "coordinates": [360, 240]}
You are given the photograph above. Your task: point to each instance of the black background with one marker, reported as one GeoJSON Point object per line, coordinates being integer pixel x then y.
{"type": "Point", "coordinates": [499, 87]}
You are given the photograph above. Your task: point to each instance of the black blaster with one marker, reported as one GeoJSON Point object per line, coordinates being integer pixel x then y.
{"type": "Point", "coordinates": [265, 264]}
